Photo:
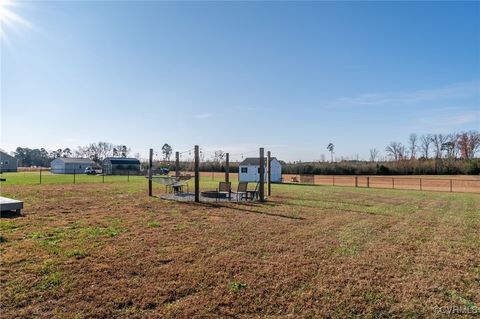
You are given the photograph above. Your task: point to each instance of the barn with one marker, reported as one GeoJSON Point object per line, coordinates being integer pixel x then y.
{"type": "Point", "coordinates": [7, 163]}
{"type": "Point", "coordinates": [121, 166]}
{"type": "Point", "coordinates": [249, 170]}
{"type": "Point", "coordinates": [62, 165]}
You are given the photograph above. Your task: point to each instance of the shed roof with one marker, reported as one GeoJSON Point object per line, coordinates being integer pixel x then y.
{"type": "Point", "coordinates": [3, 155]}
{"type": "Point", "coordinates": [254, 161]}
{"type": "Point", "coordinates": [69, 160]}
{"type": "Point", "coordinates": [122, 160]}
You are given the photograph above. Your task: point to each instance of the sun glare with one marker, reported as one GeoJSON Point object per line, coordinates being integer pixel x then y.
{"type": "Point", "coordinates": [8, 18]}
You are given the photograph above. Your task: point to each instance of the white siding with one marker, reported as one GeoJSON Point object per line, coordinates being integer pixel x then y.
{"type": "Point", "coordinates": [252, 174]}
{"type": "Point", "coordinates": [58, 166]}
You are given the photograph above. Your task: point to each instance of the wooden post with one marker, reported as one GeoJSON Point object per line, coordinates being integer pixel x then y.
{"type": "Point", "coordinates": [261, 189]}
{"type": "Point", "coordinates": [368, 181]}
{"type": "Point", "coordinates": [393, 182]}
{"type": "Point", "coordinates": [420, 183]}
{"type": "Point", "coordinates": [197, 174]}
{"type": "Point", "coordinates": [74, 175]}
{"type": "Point", "coordinates": [451, 186]}
{"type": "Point", "coordinates": [177, 164]}
{"type": "Point", "coordinates": [227, 167]}
{"type": "Point", "coordinates": [269, 174]}
{"type": "Point", "coordinates": [150, 172]}
{"type": "Point", "coordinates": [40, 176]}
{"type": "Point", "coordinates": [333, 180]}
{"type": "Point", "coordinates": [356, 181]}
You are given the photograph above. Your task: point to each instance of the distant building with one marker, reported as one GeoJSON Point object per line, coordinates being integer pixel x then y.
{"type": "Point", "coordinates": [62, 165]}
{"type": "Point", "coordinates": [7, 163]}
{"type": "Point", "coordinates": [249, 170]}
{"type": "Point", "coordinates": [121, 166]}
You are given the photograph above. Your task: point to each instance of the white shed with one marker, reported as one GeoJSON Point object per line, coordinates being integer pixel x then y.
{"type": "Point", "coordinates": [62, 165]}
{"type": "Point", "coordinates": [249, 170]}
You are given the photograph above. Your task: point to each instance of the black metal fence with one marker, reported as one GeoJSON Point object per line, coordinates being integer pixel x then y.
{"type": "Point", "coordinates": [424, 183]}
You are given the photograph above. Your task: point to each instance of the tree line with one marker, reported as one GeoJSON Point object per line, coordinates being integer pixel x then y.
{"type": "Point", "coordinates": [422, 154]}
{"type": "Point", "coordinates": [95, 151]}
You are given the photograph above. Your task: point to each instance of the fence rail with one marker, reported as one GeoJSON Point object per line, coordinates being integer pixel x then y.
{"type": "Point", "coordinates": [421, 183]}
{"type": "Point", "coordinates": [392, 182]}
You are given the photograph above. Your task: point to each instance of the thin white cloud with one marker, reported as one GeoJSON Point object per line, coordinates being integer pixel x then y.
{"type": "Point", "coordinates": [456, 91]}
{"type": "Point", "coordinates": [449, 122]}
{"type": "Point", "coordinates": [203, 116]}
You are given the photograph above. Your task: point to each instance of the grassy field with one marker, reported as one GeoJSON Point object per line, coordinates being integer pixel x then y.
{"type": "Point", "coordinates": [33, 178]}
{"type": "Point", "coordinates": [106, 250]}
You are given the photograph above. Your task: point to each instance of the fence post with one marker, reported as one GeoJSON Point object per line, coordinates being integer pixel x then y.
{"type": "Point", "coordinates": [103, 176]}
{"type": "Point", "coordinates": [197, 174]}
{"type": "Point", "coordinates": [393, 182]}
{"type": "Point", "coordinates": [40, 176]}
{"type": "Point", "coordinates": [451, 185]}
{"type": "Point", "coordinates": [333, 180]}
{"type": "Point", "coordinates": [150, 171]}
{"type": "Point", "coordinates": [269, 175]}
{"type": "Point", "coordinates": [356, 181]}
{"type": "Point", "coordinates": [74, 175]}
{"type": "Point", "coordinates": [368, 181]}
{"type": "Point", "coordinates": [261, 186]}
{"type": "Point", "coordinates": [128, 176]}
{"type": "Point", "coordinates": [177, 164]}
{"type": "Point", "coordinates": [420, 183]}
{"type": "Point", "coordinates": [227, 167]}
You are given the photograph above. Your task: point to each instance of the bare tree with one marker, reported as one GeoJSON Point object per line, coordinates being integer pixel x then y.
{"type": "Point", "coordinates": [104, 150]}
{"type": "Point", "coordinates": [396, 150]}
{"type": "Point", "coordinates": [474, 142]}
{"type": "Point", "coordinates": [413, 145]}
{"type": "Point", "coordinates": [374, 154]}
{"type": "Point", "coordinates": [438, 140]}
{"type": "Point", "coordinates": [218, 156]}
{"type": "Point", "coordinates": [425, 142]}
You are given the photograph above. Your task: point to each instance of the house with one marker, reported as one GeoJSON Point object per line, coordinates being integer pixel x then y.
{"type": "Point", "coordinates": [121, 166]}
{"type": "Point", "coordinates": [7, 163]}
{"type": "Point", "coordinates": [249, 170]}
{"type": "Point", "coordinates": [63, 165]}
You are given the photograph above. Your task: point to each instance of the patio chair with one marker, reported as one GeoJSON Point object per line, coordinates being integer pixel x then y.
{"type": "Point", "coordinates": [253, 194]}
{"type": "Point", "coordinates": [242, 191]}
{"type": "Point", "coordinates": [225, 188]}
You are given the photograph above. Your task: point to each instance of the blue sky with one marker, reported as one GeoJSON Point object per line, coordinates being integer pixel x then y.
{"type": "Point", "coordinates": [290, 76]}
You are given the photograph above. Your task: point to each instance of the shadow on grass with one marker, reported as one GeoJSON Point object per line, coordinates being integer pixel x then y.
{"type": "Point", "coordinates": [238, 206]}
{"type": "Point", "coordinates": [11, 214]}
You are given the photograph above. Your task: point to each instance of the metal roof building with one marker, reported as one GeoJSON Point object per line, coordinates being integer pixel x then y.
{"type": "Point", "coordinates": [63, 165]}
{"type": "Point", "coordinates": [7, 163]}
{"type": "Point", "coordinates": [121, 166]}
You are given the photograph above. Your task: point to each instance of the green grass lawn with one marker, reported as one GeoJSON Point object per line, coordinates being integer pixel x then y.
{"type": "Point", "coordinates": [109, 251]}
{"type": "Point", "coordinates": [33, 178]}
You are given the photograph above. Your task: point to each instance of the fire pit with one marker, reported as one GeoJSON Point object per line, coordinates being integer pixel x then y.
{"type": "Point", "coordinates": [213, 194]}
